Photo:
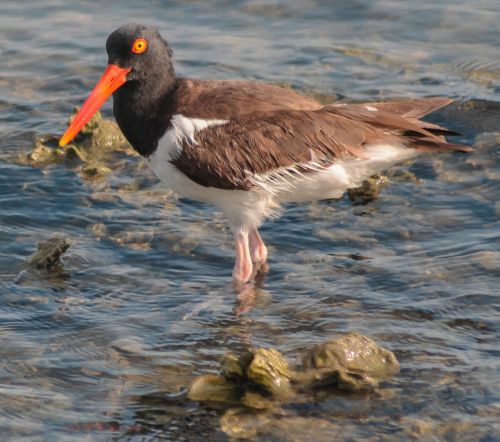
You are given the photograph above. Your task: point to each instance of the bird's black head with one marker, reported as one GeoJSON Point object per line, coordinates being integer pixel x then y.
{"type": "Point", "coordinates": [142, 50]}
{"type": "Point", "coordinates": [140, 64]}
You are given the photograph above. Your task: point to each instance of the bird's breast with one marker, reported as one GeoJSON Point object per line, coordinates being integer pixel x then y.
{"type": "Point", "coordinates": [181, 130]}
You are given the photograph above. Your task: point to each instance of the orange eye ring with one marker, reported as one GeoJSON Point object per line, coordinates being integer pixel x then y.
{"type": "Point", "coordinates": [139, 46]}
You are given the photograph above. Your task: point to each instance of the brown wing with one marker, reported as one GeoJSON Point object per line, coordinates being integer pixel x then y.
{"type": "Point", "coordinates": [417, 108]}
{"type": "Point", "coordinates": [412, 110]}
{"type": "Point", "coordinates": [229, 155]}
{"type": "Point", "coordinates": [404, 116]}
{"type": "Point", "coordinates": [227, 99]}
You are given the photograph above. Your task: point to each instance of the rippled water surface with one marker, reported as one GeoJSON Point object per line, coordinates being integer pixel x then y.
{"type": "Point", "coordinates": [103, 346]}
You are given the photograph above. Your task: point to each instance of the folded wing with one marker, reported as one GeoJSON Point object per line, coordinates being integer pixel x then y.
{"type": "Point", "coordinates": [231, 155]}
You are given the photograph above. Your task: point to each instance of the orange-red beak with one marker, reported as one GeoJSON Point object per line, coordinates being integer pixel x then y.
{"type": "Point", "coordinates": [112, 78]}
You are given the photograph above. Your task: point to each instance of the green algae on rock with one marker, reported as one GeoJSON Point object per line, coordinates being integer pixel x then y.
{"type": "Point", "coordinates": [91, 149]}
{"type": "Point", "coordinates": [211, 387]}
{"type": "Point", "coordinates": [49, 253]}
{"type": "Point", "coordinates": [45, 151]}
{"type": "Point", "coordinates": [231, 368]}
{"type": "Point", "coordinates": [260, 376]}
{"type": "Point", "coordinates": [369, 190]}
{"type": "Point", "coordinates": [99, 132]}
{"type": "Point", "coordinates": [261, 370]}
{"type": "Point", "coordinates": [255, 401]}
{"type": "Point", "coordinates": [268, 370]}
{"type": "Point", "coordinates": [352, 362]}
{"type": "Point", "coordinates": [240, 423]}
{"type": "Point", "coordinates": [95, 170]}
{"type": "Point", "coordinates": [256, 383]}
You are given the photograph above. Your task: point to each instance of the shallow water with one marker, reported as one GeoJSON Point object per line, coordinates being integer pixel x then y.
{"type": "Point", "coordinates": [103, 346]}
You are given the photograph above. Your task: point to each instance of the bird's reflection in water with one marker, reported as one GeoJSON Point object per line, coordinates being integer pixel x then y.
{"type": "Point", "coordinates": [245, 295]}
{"type": "Point", "coordinates": [249, 293]}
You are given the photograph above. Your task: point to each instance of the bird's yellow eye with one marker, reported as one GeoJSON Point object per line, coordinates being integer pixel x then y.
{"type": "Point", "coordinates": [139, 46]}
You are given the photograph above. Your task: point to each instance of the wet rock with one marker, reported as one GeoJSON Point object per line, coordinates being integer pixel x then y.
{"type": "Point", "coordinates": [242, 423]}
{"type": "Point", "coordinates": [279, 425]}
{"type": "Point", "coordinates": [90, 149]}
{"type": "Point", "coordinates": [432, 430]}
{"type": "Point", "coordinates": [45, 151]}
{"type": "Point", "coordinates": [369, 190]}
{"type": "Point", "coordinates": [99, 230]}
{"type": "Point", "coordinates": [210, 387]}
{"type": "Point", "coordinates": [488, 260]}
{"type": "Point", "coordinates": [133, 239]}
{"type": "Point", "coordinates": [486, 141]}
{"type": "Point", "coordinates": [49, 253]}
{"type": "Point", "coordinates": [268, 370]}
{"type": "Point", "coordinates": [404, 176]}
{"type": "Point", "coordinates": [293, 428]}
{"type": "Point", "coordinates": [248, 378]}
{"type": "Point", "coordinates": [352, 362]}
{"type": "Point", "coordinates": [256, 401]}
{"type": "Point", "coordinates": [95, 170]}
{"type": "Point", "coordinates": [99, 132]}
{"type": "Point", "coordinates": [261, 379]}
{"type": "Point", "coordinates": [231, 368]}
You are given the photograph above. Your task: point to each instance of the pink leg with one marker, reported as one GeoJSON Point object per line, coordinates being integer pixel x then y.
{"type": "Point", "coordinates": [243, 267]}
{"type": "Point", "coordinates": [258, 249]}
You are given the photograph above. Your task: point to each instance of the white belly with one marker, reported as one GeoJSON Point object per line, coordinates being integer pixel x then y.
{"type": "Point", "coordinates": [333, 181]}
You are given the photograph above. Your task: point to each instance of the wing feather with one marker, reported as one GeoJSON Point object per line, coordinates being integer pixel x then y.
{"type": "Point", "coordinates": [232, 155]}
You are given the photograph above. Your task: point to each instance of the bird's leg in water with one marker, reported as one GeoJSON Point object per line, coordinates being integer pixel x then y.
{"type": "Point", "coordinates": [258, 250]}
{"type": "Point", "coordinates": [243, 267]}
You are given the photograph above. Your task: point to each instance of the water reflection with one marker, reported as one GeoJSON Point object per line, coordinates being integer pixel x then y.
{"type": "Point", "coordinates": [252, 292]}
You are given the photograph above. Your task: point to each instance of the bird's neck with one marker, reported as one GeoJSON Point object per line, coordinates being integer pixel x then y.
{"type": "Point", "coordinates": [143, 109]}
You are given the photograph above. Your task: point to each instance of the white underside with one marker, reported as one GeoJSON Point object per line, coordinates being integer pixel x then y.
{"type": "Point", "coordinates": [249, 208]}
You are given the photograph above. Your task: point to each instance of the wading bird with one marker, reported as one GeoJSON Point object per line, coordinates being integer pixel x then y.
{"type": "Point", "coordinates": [248, 147]}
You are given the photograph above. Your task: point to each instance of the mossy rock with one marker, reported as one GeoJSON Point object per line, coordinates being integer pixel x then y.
{"type": "Point", "coordinates": [45, 151]}
{"type": "Point", "coordinates": [268, 370]}
{"type": "Point", "coordinates": [351, 362]}
{"type": "Point", "coordinates": [49, 253]}
{"type": "Point", "coordinates": [210, 387]}
{"type": "Point", "coordinates": [369, 190]}
{"type": "Point", "coordinates": [231, 368]}
{"type": "Point", "coordinates": [95, 170]}
{"type": "Point", "coordinates": [95, 141]}
{"type": "Point", "coordinates": [256, 401]}
{"type": "Point", "coordinates": [99, 132]}
{"type": "Point", "coordinates": [240, 423]}
{"type": "Point", "coordinates": [262, 378]}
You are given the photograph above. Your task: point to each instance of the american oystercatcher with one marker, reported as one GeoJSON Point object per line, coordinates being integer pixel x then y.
{"type": "Point", "coordinates": [248, 147]}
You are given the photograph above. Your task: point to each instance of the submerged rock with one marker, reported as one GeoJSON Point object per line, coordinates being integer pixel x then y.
{"type": "Point", "coordinates": [255, 401]}
{"type": "Point", "coordinates": [49, 253]}
{"type": "Point", "coordinates": [95, 170]}
{"type": "Point", "coordinates": [352, 362]}
{"type": "Point", "coordinates": [240, 423]}
{"type": "Point", "coordinates": [210, 387]}
{"type": "Point", "coordinates": [369, 190]}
